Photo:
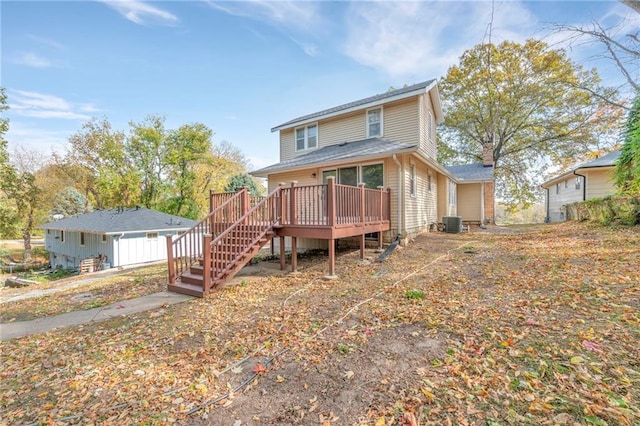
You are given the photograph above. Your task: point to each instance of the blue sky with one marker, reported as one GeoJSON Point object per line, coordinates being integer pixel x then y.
{"type": "Point", "coordinates": [243, 67]}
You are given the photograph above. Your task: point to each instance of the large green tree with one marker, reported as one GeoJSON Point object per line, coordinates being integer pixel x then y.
{"type": "Point", "coordinates": [99, 167]}
{"type": "Point", "coordinates": [528, 104]}
{"type": "Point", "coordinates": [627, 175]}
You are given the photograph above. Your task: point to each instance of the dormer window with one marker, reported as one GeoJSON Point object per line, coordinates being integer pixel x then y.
{"type": "Point", "coordinates": [307, 137]}
{"type": "Point", "coordinates": [374, 123]}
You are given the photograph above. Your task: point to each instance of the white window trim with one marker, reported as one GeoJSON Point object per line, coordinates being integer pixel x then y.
{"type": "Point", "coordinates": [306, 136]}
{"type": "Point", "coordinates": [366, 120]}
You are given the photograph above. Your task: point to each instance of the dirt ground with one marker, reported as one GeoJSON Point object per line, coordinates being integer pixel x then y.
{"type": "Point", "coordinates": [526, 326]}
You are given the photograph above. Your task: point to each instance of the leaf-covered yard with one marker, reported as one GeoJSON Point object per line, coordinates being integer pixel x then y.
{"type": "Point", "coordinates": [533, 326]}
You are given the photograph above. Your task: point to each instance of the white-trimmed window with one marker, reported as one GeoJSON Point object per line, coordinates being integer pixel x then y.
{"type": "Point", "coordinates": [152, 235]}
{"type": "Point", "coordinates": [307, 137]}
{"type": "Point", "coordinates": [557, 188]}
{"type": "Point", "coordinates": [578, 182]}
{"type": "Point", "coordinates": [372, 175]}
{"type": "Point", "coordinates": [412, 180]}
{"type": "Point", "coordinates": [374, 123]}
{"type": "Point", "coordinates": [82, 238]}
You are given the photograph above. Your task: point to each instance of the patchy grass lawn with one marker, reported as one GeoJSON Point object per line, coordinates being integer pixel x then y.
{"type": "Point", "coordinates": [539, 326]}
{"type": "Point", "coordinates": [97, 291]}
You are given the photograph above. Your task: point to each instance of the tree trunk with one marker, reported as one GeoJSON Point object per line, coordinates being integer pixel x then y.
{"type": "Point", "coordinates": [26, 236]}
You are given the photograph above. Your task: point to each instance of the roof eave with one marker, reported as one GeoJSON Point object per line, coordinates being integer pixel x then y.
{"type": "Point", "coordinates": [258, 173]}
{"type": "Point", "coordinates": [289, 125]}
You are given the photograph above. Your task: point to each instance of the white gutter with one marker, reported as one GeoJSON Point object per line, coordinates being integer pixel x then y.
{"type": "Point", "coordinates": [400, 212]}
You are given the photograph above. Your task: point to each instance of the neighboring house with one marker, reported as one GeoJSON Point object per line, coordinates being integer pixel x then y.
{"type": "Point", "coordinates": [121, 236]}
{"type": "Point", "coordinates": [385, 140]}
{"type": "Point", "coordinates": [589, 180]}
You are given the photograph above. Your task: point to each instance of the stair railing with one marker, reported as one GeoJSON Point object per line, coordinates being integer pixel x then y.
{"type": "Point", "coordinates": [229, 246]}
{"type": "Point", "coordinates": [186, 249]}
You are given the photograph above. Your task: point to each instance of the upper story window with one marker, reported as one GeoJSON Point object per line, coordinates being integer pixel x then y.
{"type": "Point", "coordinates": [307, 137]}
{"type": "Point", "coordinates": [374, 123]}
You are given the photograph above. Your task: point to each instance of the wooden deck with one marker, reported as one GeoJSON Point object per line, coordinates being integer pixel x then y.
{"type": "Point", "coordinates": [238, 225]}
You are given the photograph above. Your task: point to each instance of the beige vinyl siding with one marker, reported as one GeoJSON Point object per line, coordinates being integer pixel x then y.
{"type": "Point", "coordinates": [427, 142]}
{"type": "Point", "coordinates": [565, 196]}
{"type": "Point", "coordinates": [469, 201]}
{"type": "Point", "coordinates": [345, 128]}
{"type": "Point", "coordinates": [288, 145]}
{"type": "Point", "coordinates": [402, 121]}
{"type": "Point", "coordinates": [600, 183]}
{"type": "Point", "coordinates": [420, 211]}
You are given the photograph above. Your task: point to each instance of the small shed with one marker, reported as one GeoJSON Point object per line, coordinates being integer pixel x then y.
{"type": "Point", "coordinates": [116, 237]}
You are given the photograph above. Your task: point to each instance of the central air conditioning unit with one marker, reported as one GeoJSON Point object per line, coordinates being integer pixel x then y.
{"type": "Point", "coordinates": [452, 224]}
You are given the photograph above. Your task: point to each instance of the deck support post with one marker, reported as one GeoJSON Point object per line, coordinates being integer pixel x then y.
{"type": "Point", "coordinates": [362, 215]}
{"type": "Point", "coordinates": [171, 264]}
{"type": "Point", "coordinates": [332, 258]}
{"type": "Point", "coordinates": [294, 254]}
{"type": "Point", "coordinates": [206, 264]}
{"type": "Point", "coordinates": [283, 260]}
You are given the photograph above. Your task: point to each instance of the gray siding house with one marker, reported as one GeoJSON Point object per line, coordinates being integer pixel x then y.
{"type": "Point", "coordinates": [122, 236]}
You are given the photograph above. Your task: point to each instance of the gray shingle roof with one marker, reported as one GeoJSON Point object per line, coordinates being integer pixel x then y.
{"type": "Point", "coordinates": [424, 86]}
{"type": "Point", "coordinates": [471, 172]}
{"type": "Point", "coordinates": [607, 160]}
{"type": "Point", "coordinates": [125, 220]}
{"type": "Point", "coordinates": [367, 148]}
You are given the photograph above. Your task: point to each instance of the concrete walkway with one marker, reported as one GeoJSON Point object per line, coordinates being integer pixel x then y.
{"type": "Point", "coordinates": [13, 330]}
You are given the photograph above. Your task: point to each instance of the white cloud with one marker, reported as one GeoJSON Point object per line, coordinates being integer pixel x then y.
{"type": "Point", "coordinates": [46, 41]}
{"type": "Point", "coordinates": [300, 17]}
{"type": "Point", "coordinates": [40, 105]}
{"type": "Point", "coordinates": [32, 60]}
{"type": "Point", "coordinates": [25, 136]}
{"type": "Point", "coordinates": [142, 13]}
{"type": "Point", "coordinates": [411, 39]}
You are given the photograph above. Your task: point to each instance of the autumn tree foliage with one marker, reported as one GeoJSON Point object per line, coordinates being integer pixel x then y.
{"type": "Point", "coordinates": [170, 170]}
{"type": "Point", "coordinates": [627, 175]}
{"type": "Point", "coordinates": [532, 105]}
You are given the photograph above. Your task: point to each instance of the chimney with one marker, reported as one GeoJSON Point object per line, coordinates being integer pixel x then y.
{"type": "Point", "coordinates": [487, 154]}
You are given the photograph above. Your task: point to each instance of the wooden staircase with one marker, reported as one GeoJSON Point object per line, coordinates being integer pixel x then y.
{"type": "Point", "coordinates": [232, 253]}
{"type": "Point", "coordinates": [221, 256]}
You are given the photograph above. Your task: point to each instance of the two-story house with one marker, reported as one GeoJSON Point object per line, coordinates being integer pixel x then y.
{"type": "Point", "coordinates": [365, 168]}
{"type": "Point", "coordinates": [386, 140]}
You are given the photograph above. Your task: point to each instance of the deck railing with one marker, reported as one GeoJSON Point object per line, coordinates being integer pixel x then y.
{"type": "Point", "coordinates": [332, 204]}
{"type": "Point", "coordinates": [240, 217]}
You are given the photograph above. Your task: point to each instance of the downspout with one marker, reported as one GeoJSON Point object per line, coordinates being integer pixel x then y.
{"type": "Point", "coordinates": [584, 185]}
{"type": "Point", "coordinates": [395, 158]}
{"type": "Point", "coordinates": [548, 218]}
